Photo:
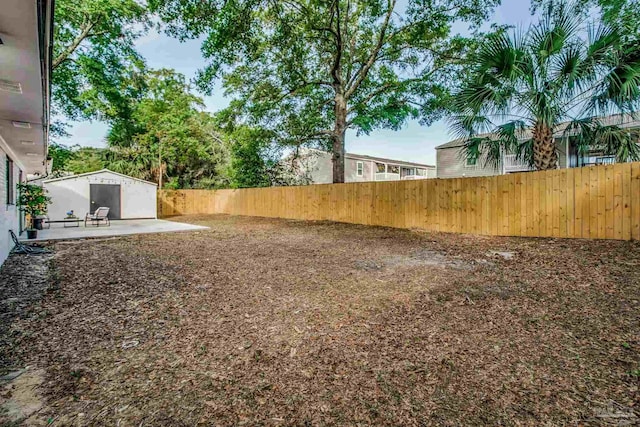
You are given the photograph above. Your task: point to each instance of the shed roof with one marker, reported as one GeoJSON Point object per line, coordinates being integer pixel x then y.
{"type": "Point", "coordinates": [97, 172]}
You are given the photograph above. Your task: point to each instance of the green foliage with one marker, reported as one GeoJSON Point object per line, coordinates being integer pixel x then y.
{"type": "Point", "coordinates": [249, 167]}
{"type": "Point", "coordinates": [93, 53]}
{"type": "Point", "coordinates": [76, 159]}
{"type": "Point", "coordinates": [86, 159]}
{"type": "Point", "coordinates": [60, 156]}
{"type": "Point", "coordinates": [163, 133]}
{"type": "Point", "coordinates": [625, 14]}
{"type": "Point", "coordinates": [524, 86]}
{"type": "Point", "coordinates": [309, 70]}
{"type": "Point", "coordinates": [32, 200]}
{"type": "Point", "coordinates": [168, 136]}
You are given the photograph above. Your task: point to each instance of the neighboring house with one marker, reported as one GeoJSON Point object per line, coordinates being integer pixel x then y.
{"type": "Point", "coordinates": [25, 54]}
{"type": "Point", "coordinates": [317, 167]}
{"type": "Point", "coordinates": [451, 162]}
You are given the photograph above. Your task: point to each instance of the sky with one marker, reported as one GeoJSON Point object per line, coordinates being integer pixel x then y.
{"type": "Point", "coordinates": [413, 142]}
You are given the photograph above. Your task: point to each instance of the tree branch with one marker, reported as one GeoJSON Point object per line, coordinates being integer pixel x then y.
{"type": "Point", "coordinates": [302, 86]}
{"type": "Point", "coordinates": [372, 95]}
{"type": "Point", "coordinates": [84, 33]}
{"type": "Point", "coordinates": [337, 59]}
{"type": "Point", "coordinates": [98, 33]}
{"type": "Point", "coordinates": [384, 88]}
{"type": "Point", "coordinates": [364, 70]}
{"type": "Point", "coordinates": [319, 135]}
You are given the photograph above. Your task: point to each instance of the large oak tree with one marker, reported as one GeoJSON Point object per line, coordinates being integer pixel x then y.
{"type": "Point", "coordinates": [309, 70]}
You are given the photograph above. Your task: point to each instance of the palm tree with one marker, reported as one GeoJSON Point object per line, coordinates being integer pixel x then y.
{"type": "Point", "coordinates": [558, 78]}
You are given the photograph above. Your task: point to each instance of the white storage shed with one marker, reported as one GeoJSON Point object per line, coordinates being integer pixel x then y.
{"type": "Point", "coordinates": [125, 196]}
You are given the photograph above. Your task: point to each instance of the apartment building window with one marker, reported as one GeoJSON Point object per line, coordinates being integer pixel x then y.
{"type": "Point", "coordinates": [360, 168]}
{"type": "Point", "coordinates": [11, 190]}
{"type": "Point", "coordinates": [408, 172]}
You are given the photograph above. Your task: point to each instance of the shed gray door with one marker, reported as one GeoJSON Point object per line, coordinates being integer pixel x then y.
{"type": "Point", "coordinates": [107, 195]}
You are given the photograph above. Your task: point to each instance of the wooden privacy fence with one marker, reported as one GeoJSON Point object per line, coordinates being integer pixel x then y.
{"type": "Point", "coordinates": [598, 202]}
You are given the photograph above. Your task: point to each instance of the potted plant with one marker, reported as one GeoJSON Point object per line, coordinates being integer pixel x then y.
{"type": "Point", "coordinates": [33, 201]}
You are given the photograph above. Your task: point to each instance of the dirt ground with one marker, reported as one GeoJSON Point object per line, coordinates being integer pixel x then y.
{"type": "Point", "coordinates": [273, 322]}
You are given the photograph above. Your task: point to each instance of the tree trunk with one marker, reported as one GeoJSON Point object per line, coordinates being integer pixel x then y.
{"type": "Point", "coordinates": [338, 158]}
{"type": "Point", "coordinates": [159, 166]}
{"type": "Point", "coordinates": [545, 156]}
{"type": "Point", "coordinates": [337, 139]}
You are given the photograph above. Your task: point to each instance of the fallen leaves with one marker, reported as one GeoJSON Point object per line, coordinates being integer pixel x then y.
{"type": "Point", "coordinates": [283, 322]}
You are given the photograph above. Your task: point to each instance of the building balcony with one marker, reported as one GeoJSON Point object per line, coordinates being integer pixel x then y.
{"type": "Point", "coordinates": [596, 160]}
{"type": "Point", "coordinates": [387, 176]}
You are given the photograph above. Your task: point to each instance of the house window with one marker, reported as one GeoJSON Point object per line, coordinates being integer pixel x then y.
{"type": "Point", "coordinates": [470, 162]}
{"type": "Point", "coordinates": [381, 167]}
{"type": "Point", "coordinates": [394, 169]}
{"type": "Point", "coordinates": [360, 168]}
{"type": "Point", "coordinates": [421, 172]}
{"type": "Point", "coordinates": [11, 191]}
{"type": "Point", "coordinates": [408, 172]}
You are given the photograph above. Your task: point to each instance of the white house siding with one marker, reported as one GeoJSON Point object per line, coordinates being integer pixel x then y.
{"type": "Point", "coordinates": [563, 160]}
{"type": "Point", "coordinates": [9, 215]}
{"type": "Point", "coordinates": [137, 198]}
{"type": "Point", "coordinates": [351, 170]}
{"type": "Point", "coordinates": [451, 164]}
{"type": "Point", "coordinates": [319, 167]}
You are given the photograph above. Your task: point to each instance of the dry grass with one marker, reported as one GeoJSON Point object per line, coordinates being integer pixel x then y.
{"type": "Point", "coordinates": [270, 322]}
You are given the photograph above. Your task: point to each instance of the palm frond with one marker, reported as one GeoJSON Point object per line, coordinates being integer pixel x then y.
{"type": "Point", "coordinates": [471, 150]}
{"type": "Point", "coordinates": [498, 57]}
{"type": "Point", "coordinates": [525, 152]}
{"type": "Point", "coordinates": [566, 69]}
{"type": "Point", "coordinates": [623, 85]}
{"type": "Point", "coordinates": [613, 140]}
{"type": "Point", "coordinates": [468, 125]}
{"type": "Point", "coordinates": [558, 24]}
{"type": "Point", "coordinates": [492, 149]}
{"type": "Point", "coordinates": [580, 132]}
{"type": "Point", "coordinates": [475, 96]}
{"type": "Point", "coordinates": [485, 150]}
{"type": "Point", "coordinates": [618, 141]}
{"type": "Point", "coordinates": [618, 91]}
{"type": "Point", "coordinates": [509, 134]}
{"type": "Point", "coordinates": [602, 40]}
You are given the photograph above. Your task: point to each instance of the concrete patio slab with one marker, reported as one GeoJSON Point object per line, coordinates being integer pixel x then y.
{"type": "Point", "coordinates": [117, 228]}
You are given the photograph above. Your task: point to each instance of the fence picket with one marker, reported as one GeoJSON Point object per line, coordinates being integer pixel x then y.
{"type": "Point", "coordinates": [590, 202]}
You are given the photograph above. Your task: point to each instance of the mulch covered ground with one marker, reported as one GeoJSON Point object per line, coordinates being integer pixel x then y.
{"type": "Point", "coordinates": [273, 322]}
